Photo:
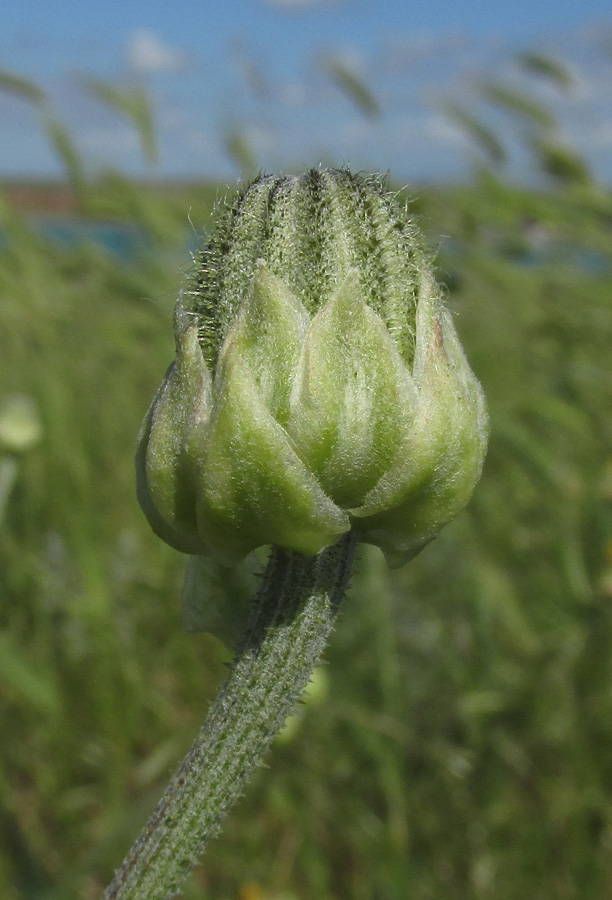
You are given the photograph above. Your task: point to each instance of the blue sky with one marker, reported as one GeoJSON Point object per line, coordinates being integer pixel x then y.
{"type": "Point", "coordinates": [260, 69]}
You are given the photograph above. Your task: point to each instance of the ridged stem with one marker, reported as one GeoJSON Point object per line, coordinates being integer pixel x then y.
{"type": "Point", "coordinates": [293, 616]}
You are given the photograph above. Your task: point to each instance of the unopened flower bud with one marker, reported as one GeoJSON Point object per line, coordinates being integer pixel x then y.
{"type": "Point", "coordinates": [318, 386]}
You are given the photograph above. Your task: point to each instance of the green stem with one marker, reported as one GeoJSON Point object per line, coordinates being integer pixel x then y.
{"type": "Point", "coordinates": [293, 617]}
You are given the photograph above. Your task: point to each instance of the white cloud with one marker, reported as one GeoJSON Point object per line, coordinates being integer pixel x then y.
{"type": "Point", "coordinates": [103, 142]}
{"type": "Point", "coordinates": [260, 138]}
{"type": "Point", "coordinates": [200, 141]}
{"type": "Point", "coordinates": [438, 128]}
{"type": "Point", "coordinates": [402, 51]}
{"type": "Point", "coordinates": [293, 94]}
{"type": "Point", "coordinates": [600, 137]}
{"type": "Point", "coordinates": [146, 53]}
{"type": "Point", "coordinates": [300, 4]}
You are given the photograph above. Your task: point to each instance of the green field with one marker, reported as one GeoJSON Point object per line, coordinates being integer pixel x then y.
{"type": "Point", "coordinates": [459, 744]}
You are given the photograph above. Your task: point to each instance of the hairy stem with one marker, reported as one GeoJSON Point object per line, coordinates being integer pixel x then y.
{"type": "Point", "coordinates": [293, 617]}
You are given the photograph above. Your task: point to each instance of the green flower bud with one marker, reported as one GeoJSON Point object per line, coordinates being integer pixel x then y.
{"type": "Point", "coordinates": [318, 385]}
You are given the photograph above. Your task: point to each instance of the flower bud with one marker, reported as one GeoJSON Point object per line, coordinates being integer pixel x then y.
{"type": "Point", "coordinates": [318, 385]}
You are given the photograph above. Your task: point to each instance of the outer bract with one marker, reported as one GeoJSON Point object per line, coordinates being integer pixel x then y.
{"type": "Point", "coordinates": [318, 386]}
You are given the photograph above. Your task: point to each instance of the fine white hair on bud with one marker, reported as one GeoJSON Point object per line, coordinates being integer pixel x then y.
{"type": "Point", "coordinates": [319, 385]}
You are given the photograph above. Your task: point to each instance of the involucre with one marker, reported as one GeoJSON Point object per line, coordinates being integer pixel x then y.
{"type": "Point", "coordinates": [318, 386]}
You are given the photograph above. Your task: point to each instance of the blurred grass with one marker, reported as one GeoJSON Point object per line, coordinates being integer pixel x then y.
{"type": "Point", "coordinates": [462, 748]}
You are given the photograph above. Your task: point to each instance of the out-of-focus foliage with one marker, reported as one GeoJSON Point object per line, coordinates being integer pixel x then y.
{"type": "Point", "coordinates": [462, 748]}
{"type": "Point", "coordinates": [133, 103]}
{"type": "Point", "coordinates": [352, 85]}
{"type": "Point", "coordinates": [481, 135]}
{"type": "Point", "coordinates": [560, 161]}
{"type": "Point", "coordinates": [517, 103]}
{"type": "Point", "coordinates": [546, 67]}
{"type": "Point", "coordinates": [68, 155]}
{"type": "Point", "coordinates": [538, 130]}
{"type": "Point", "coordinates": [21, 87]}
{"type": "Point", "coordinates": [238, 148]}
